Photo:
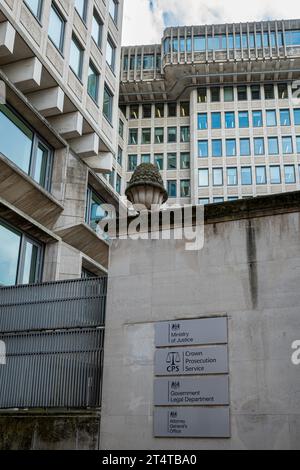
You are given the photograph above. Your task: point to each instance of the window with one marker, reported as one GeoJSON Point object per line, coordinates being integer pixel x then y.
{"type": "Point", "coordinates": [232, 198]}
{"type": "Point", "coordinates": [134, 112]}
{"type": "Point", "coordinates": [289, 174]}
{"type": "Point", "coordinates": [111, 178]}
{"type": "Point", "coordinates": [259, 146]}
{"type": "Point", "coordinates": [20, 144]}
{"type": "Point", "coordinates": [243, 119]}
{"type": "Point", "coordinates": [229, 120]}
{"type": "Point", "coordinates": [110, 53]}
{"type": "Point", "coordinates": [146, 158]}
{"type": "Point", "coordinates": [132, 162]}
{"type": "Point", "coordinates": [97, 28]}
{"type": "Point", "coordinates": [285, 118]}
{"type": "Point", "coordinates": [93, 82]}
{"type": "Point", "coordinates": [216, 120]}
{"type": "Point", "coordinates": [133, 137]}
{"type": "Point", "coordinates": [184, 161]}
{"type": "Point", "coordinates": [271, 118]}
{"type": "Point", "coordinates": [113, 10]}
{"type": "Point", "coordinates": [148, 62]}
{"type": "Point", "coordinates": [215, 94]}
{"type": "Point", "coordinates": [245, 147]}
{"type": "Point", "coordinates": [230, 147]}
{"type": "Point", "coordinates": [242, 93]}
{"type": "Point", "coordinates": [269, 92]}
{"type": "Point", "coordinates": [275, 176]}
{"type": "Point", "coordinates": [81, 7]}
{"type": "Point", "coordinates": [159, 135]}
{"type": "Point", "coordinates": [228, 93]}
{"type": "Point", "coordinates": [56, 28]}
{"type": "Point", "coordinates": [147, 111]}
{"type": "Point", "coordinates": [172, 161]}
{"type": "Point", "coordinates": [94, 209]}
{"type": "Point", "coordinates": [255, 92]}
{"type": "Point", "coordinates": [20, 257]}
{"type": "Point", "coordinates": [298, 144]}
{"type": "Point", "coordinates": [118, 184]}
{"type": "Point", "coordinates": [108, 104]}
{"type": "Point", "coordinates": [287, 145]}
{"type": "Point", "coordinates": [273, 148]}
{"type": "Point", "coordinates": [184, 109]}
{"type": "Point", "coordinates": [146, 136]}
{"type": "Point", "coordinates": [218, 176]}
{"type": "Point", "coordinates": [159, 161]}
{"type": "Point", "coordinates": [216, 148]}
{"type": "Point", "coordinates": [76, 57]}
{"type": "Point", "coordinates": [172, 109]}
{"type": "Point", "coordinates": [120, 156]}
{"type": "Point", "coordinates": [159, 110]}
{"type": "Point", "coordinates": [257, 118]}
{"type": "Point", "coordinates": [172, 134]}
{"type": "Point", "coordinates": [202, 95]}
{"type": "Point", "coordinates": [35, 7]}
{"type": "Point", "coordinates": [172, 188]}
{"type": "Point", "coordinates": [199, 43]}
{"type": "Point", "coordinates": [203, 177]}
{"type": "Point", "coordinates": [185, 134]}
{"type": "Point", "coordinates": [202, 121]}
{"type": "Point", "coordinates": [203, 148]}
{"type": "Point", "coordinates": [246, 175]}
{"type": "Point", "coordinates": [121, 128]}
{"type": "Point", "coordinates": [261, 175]}
{"type": "Point", "coordinates": [232, 179]}
{"type": "Point", "coordinates": [297, 117]}
{"type": "Point", "coordinates": [185, 188]}
{"type": "Point", "coordinates": [283, 91]}
{"type": "Point", "coordinates": [203, 201]}
{"type": "Point", "coordinates": [292, 38]}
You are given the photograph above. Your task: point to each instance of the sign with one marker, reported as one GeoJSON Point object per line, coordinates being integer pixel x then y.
{"type": "Point", "coordinates": [205, 422]}
{"type": "Point", "coordinates": [191, 332]}
{"type": "Point", "coordinates": [191, 361]}
{"type": "Point", "coordinates": [206, 391]}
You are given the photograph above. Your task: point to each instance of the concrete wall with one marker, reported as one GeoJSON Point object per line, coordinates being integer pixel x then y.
{"type": "Point", "coordinates": [248, 269]}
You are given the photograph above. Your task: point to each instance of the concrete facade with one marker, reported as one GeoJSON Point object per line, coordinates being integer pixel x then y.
{"type": "Point", "coordinates": [248, 270]}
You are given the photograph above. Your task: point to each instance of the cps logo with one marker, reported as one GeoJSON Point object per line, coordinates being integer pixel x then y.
{"type": "Point", "coordinates": [296, 354]}
{"type": "Point", "coordinates": [173, 362]}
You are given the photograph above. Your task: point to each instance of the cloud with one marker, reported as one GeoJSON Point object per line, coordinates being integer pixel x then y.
{"type": "Point", "coordinates": [145, 20]}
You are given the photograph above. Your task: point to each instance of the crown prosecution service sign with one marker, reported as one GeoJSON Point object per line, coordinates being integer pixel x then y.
{"type": "Point", "coordinates": [191, 332]}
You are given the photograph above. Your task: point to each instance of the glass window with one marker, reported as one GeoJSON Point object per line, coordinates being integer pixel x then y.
{"type": "Point", "coordinates": [184, 161]}
{"type": "Point", "coordinates": [184, 109]}
{"type": "Point", "coordinates": [298, 144]}
{"type": "Point", "coordinates": [93, 82]}
{"type": "Point", "coordinates": [81, 7]}
{"type": "Point", "coordinates": [275, 176]}
{"type": "Point", "coordinates": [146, 158]}
{"type": "Point", "coordinates": [242, 93]}
{"type": "Point", "coordinates": [216, 147]}
{"type": "Point", "coordinates": [269, 92]}
{"type": "Point", "coordinates": [259, 146]}
{"type": "Point", "coordinates": [108, 104]}
{"type": "Point", "coordinates": [215, 94]}
{"type": "Point", "coordinates": [134, 111]}
{"type": "Point", "coordinates": [238, 41]}
{"type": "Point", "coordinates": [159, 161]}
{"type": "Point", "coordinates": [266, 39]}
{"type": "Point", "coordinates": [230, 147]}
{"type": "Point", "coordinates": [76, 57]}
{"type": "Point", "coordinates": [41, 165]}
{"type": "Point", "coordinates": [97, 27]}
{"type": "Point", "coordinates": [120, 156]}
{"type": "Point", "coordinates": [185, 134]}
{"type": "Point", "coordinates": [203, 201]}
{"type": "Point", "coordinates": [297, 117]}
{"type": "Point", "coordinates": [146, 136]}
{"type": "Point", "coordinates": [147, 111]}
{"type": "Point", "coordinates": [243, 119]}
{"type": "Point", "coordinates": [292, 38]}
{"type": "Point", "coordinates": [172, 161]}
{"type": "Point", "coordinates": [202, 95]}
{"type": "Point", "coordinates": [261, 175]}
{"type": "Point", "coordinates": [132, 162]}
{"type": "Point", "coordinates": [133, 137]}
{"type": "Point", "coordinates": [148, 62]}
{"type": "Point", "coordinates": [255, 92]}
{"type": "Point", "coordinates": [172, 134]}
{"type": "Point", "coordinates": [159, 110]}
{"type": "Point", "coordinates": [283, 91]}
{"type": "Point", "coordinates": [289, 174]}
{"type": "Point", "coordinates": [121, 128]}
{"type": "Point", "coordinates": [229, 120]}
{"type": "Point", "coordinates": [232, 179]}
{"type": "Point", "coordinates": [199, 43]}
{"type": "Point", "coordinates": [56, 28]}
{"type": "Point", "coordinates": [251, 41]}
{"type": "Point", "coordinates": [113, 9]}
{"type": "Point", "coordinates": [35, 7]}
{"type": "Point", "coordinates": [245, 147]}
{"type": "Point", "coordinates": [246, 175]}
{"type": "Point", "coordinates": [172, 188]}
{"type": "Point", "coordinates": [172, 109]}
{"type": "Point", "coordinates": [216, 120]}
{"type": "Point", "coordinates": [110, 53]}
{"type": "Point", "coordinates": [159, 135]}
{"type": "Point", "coordinates": [257, 118]}
{"type": "Point", "coordinates": [285, 118]}
{"type": "Point", "coordinates": [185, 188]}
{"type": "Point", "coordinates": [218, 176]}
{"type": "Point", "coordinates": [94, 211]}
{"type": "Point", "coordinates": [118, 184]}
{"type": "Point", "coordinates": [273, 148]}
{"type": "Point", "coordinates": [218, 200]}
{"type": "Point", "coordinates": [228, 93]}
{"type": "Point", "coordinates": [287, 145]}
{"type": "Point", "coordinates": [203, 177]}
{"type": "Point", "coordinates": [202, 121]}
{"type": "Point", "coordinates": [232, 198]}
{"type": "Point", "coordinates": [271, 118]}
{"type": "Point", "coordinates": [203, 148]}
{"type": "Point", "coordinates": [111, 178]}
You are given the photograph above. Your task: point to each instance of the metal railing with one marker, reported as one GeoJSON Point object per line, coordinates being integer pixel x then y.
{"type": "Point", "coordinates": [54, 339]}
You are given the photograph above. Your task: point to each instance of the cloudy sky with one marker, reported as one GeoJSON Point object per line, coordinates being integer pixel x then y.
{"type": "Point", "coordinates": [144, 20]}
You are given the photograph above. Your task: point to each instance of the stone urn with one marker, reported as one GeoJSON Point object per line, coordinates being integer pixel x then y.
{"type": "Point", "coordinates": [146, 187]}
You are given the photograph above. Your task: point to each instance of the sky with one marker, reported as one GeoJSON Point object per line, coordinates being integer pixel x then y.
{"type": "Point", "coordinates": [145, 20]}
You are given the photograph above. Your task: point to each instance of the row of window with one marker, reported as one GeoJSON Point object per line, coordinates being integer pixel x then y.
{"type": "Point", "coordinates": [173, 161]}
{"type": "Point", "coordinates": [247, 147]}
{"type": "Point", "coordinates": [142, 62]}
{"type": "Point", "coordinates": [243, 93]}
{"type": "Point", "coordinates": [160, 110]}
{"type": "Point", "coordinates": [243, 41]}
{"type": "Point", "coordinates": [184, 188]}
{"type": "Point", "coordinates": [158, 135]}
{"type": "Point", "coordinates": [260, 174]}
{"type": "Point", "coordinates": [270, 118]}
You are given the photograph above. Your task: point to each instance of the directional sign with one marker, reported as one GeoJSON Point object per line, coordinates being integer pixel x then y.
{"type": "Point", "coordinates": [191, 332]}
{"type": "Point", "coordinates": [208, 391]}
{"type": "Point", "coordinates": [206, 422]}
{"type": "Point", "coordinates": [191, 361]}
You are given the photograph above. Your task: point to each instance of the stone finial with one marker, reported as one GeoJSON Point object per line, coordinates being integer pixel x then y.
{"type": "Point", "coordinates": [146, 186]}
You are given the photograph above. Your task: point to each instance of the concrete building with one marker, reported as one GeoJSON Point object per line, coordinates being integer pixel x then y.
{"type": "Point", "coordinates": [214, 107]}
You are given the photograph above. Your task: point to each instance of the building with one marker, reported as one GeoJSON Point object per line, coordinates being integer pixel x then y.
{"type": "Point", "coordinates": [214, 107]}
{"type": "Point", "coordinates": [59, 67]}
